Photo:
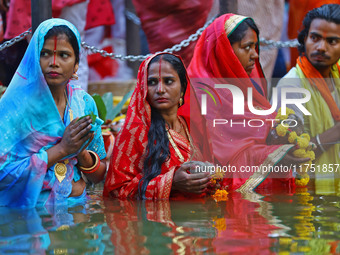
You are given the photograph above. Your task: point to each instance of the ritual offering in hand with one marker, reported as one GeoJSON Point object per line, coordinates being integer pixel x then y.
{"type": "Point", "coordinates": [290, 130]}
{"type": "Point", "coordinates": [92, 115]}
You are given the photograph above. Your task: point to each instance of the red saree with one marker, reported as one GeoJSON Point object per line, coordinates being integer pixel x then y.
{"type": "Point", "coordinates": [126, 164]}
{"type": "Point", "coordinates": [214, 62]}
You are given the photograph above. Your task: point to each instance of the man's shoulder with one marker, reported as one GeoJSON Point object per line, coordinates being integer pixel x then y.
{"type": "Point", "coordinates": [291, 79]}
{"type": "Point", "coordinates": [292, 73]}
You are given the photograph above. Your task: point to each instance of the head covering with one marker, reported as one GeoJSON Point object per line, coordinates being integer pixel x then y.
{"type": "Point", "coordinates": [126, 167]}
{"type": "Point", "coordinates": [215, 58]}
{"type": "Point", "coordinates": [30, 124]}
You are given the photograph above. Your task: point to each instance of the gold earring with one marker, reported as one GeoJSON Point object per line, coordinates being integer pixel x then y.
{"type": "Point", "coordinates": [74, 76]}
{"type": "Point", "coordinates": [180, 101]}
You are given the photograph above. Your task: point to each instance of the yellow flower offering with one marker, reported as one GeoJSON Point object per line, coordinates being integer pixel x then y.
{"type": "Point", "coordinates": [300, 153]}
{"type": "Point", "coordinates": [219, 224]}
{"type": "Point", "coordinates": [302, 180]}
{"type": "Point", "coordinates": [302, 142]}
{"type": "Point", "coordinates": [311, 155]}
{"type": "Point", "coordinates": [220, 195]}
{"type": "Point", "coordinates": [281, 130]}
{"type": "Point", "coordinates": [292, 137]}
{"type": "Point", "coordinates": [280, 116]}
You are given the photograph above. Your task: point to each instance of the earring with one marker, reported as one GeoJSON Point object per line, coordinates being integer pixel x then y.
{"type": "Point", "coordinates": [180, 102]}
{"type": "Point", "coordinates": [74, 76]}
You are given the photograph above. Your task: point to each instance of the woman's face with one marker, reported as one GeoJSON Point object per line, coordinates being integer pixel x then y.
{"type": "Point", "coordinates": [57, 60]}
{"type": "Point", "coordinates": [245, 50]}
{"type": "Point", "coordinates": [164, 87]}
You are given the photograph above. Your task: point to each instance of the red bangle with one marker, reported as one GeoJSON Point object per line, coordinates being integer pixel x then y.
{"type": "Point", "coordinates": [95, 166]}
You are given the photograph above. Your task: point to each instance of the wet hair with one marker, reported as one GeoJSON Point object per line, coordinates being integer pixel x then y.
{"type": "Point", "coordinates": [157, 150]}
{"type": "Point", "coordinates": [328, 12]}
{"type": "Point", "coordinates": [72, 39]}
{"type": "Point", "coordinates": [240, 31]}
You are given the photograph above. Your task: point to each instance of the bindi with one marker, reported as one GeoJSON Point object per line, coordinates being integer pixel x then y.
{"type": "Point", "coordinates": [160, 75]}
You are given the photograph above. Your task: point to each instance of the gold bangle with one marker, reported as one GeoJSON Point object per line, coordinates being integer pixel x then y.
{"type": "Point", "coordinates": [95, 165]}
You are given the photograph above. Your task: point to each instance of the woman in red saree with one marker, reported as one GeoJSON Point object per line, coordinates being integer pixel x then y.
{"type": "Point", "coordinates": [227, 53]}
{"type": "Point", "coordinates": [154, 143]}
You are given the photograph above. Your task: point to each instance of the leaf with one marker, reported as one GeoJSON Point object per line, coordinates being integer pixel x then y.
{"type": "Point", "coordinates": [108, 101]}
{"type": "Point", "coordinates": [82, 117]}
{"type": "Point", "coordinates": [120, 105]}
{"type": "Point", "coordinates": [100, 106]}
{"type": "Point", "coordinates": [92, 115]}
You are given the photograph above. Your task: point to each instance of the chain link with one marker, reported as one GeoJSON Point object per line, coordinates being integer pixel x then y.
{"type": "Point", "coordinates": [132, 58]}
{"type": "Point", "coordinates": [15, 39]}
{"type": "Point", "coordinates": [268, 44]}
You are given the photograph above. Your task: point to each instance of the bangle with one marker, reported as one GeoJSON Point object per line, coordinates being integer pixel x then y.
{"type": "Point", "coordinates": [95, 166]}
{"type": "Point", "coordinates": [319, 143]}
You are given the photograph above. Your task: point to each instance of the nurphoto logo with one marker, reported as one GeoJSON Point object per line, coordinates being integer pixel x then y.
{"type": "Point", "coordinates": [239, 104]}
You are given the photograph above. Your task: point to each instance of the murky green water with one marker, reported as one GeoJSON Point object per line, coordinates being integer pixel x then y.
{"type": "Point", "coordinates": [302, 223]}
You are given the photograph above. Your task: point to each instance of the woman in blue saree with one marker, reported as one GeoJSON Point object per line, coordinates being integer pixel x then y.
{"type": "Point", "coordinates": [45, 147]}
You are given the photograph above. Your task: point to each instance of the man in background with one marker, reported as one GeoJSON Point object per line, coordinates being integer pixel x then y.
{"type": "Point", "coordinates": [317, 70]}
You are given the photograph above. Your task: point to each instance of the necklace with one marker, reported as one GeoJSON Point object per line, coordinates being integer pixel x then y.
{"type": "Point", "coordinates": [173, 144]}
{"type": "Point", "coordinates": [60, 168]}
{"type": "Point", "coordinates": [70, 112]}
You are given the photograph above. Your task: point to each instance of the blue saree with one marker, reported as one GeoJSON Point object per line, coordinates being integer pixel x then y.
{"type": "Point", "coordinates": [30, 124]}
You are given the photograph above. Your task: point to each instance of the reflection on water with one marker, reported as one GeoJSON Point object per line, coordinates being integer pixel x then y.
{"type": "Point", "coordinates": [303, 223]}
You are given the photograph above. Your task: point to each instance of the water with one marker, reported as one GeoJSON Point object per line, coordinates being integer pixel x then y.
{"type": "Point", "coordinates": [300, 223]}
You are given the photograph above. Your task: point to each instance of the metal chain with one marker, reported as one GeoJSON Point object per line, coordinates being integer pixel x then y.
{"type": "Point", "coordinates": [132, 58]}
{"type": "Point", "coordinates": [268, 44]}
{"type": "Point", "coordinates": [15, 39]}
{"type": "Point", "coordinates": [274, 44]}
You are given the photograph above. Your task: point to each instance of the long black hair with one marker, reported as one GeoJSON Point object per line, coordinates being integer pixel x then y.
{"type": "Point", "coordinates": [71, 37]}
{"type": "Point", "coordinates": [240, 31]}
{"type": "Point", "coordinates": [157, 150]}
{"type": "Point", "coordinates": [328, 12]}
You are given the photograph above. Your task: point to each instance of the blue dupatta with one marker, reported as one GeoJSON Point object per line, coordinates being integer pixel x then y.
{"type": "Point", "coordinates": [30, 124]}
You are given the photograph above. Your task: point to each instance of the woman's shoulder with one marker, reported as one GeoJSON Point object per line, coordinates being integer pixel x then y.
{"type": "Point", "coordinates": [78, 91]}
{"type": "Point", "coordinates": [81, 95]}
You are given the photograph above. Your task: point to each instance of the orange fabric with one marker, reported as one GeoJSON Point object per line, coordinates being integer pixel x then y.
{"type": "Point", "coordinates": [317, 80]}
{"type": "Point", "coordinates": [297, 12]}
{"type": "Point", "coordinates": [126, 164]}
